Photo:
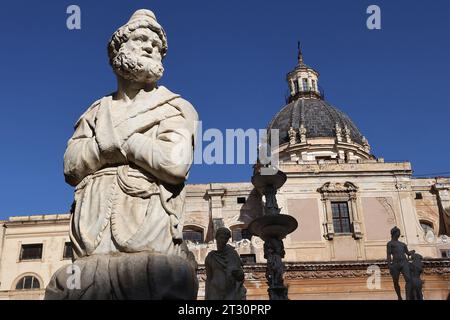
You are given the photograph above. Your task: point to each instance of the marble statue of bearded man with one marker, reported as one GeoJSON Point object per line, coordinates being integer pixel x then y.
{"type": "Point", "coordinates": [128, 161]}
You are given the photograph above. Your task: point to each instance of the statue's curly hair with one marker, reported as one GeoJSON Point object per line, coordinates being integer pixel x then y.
{"type": "Point", "coordinates": [123, 34]}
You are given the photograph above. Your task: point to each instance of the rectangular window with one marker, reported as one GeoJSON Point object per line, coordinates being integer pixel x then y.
{"type": "Point", "coordinates": [314, 84]}
{"type": "Point", "coordinates": [241, 200]}
{"type": "Point", "coordinates": [193, 235]}
{"type": "Point", "coordinates": [419, 196]}
{"type": "Point", "coordinates": [296, 86]}
{"type": "Point", "coordinates": [248, 258]}
{"type": "Point", "coordinates": [305, 85]}
{"type": "Point", "coordinates": [68, 254]}
{"type": "Point", "coordinates": [341, 217]}
{"type": "Point", "coordinates": [31, 252]}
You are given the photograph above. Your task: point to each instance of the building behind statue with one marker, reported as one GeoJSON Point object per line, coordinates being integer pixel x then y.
{"type": "Point", "coordinates": [345, 199]}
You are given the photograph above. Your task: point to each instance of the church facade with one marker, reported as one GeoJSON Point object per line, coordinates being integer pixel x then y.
{"type": "Point", "coordinates": [344, 198]}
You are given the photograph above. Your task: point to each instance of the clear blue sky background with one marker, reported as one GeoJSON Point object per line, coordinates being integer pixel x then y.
{"type": "Point", "coordinates": [229, 58]}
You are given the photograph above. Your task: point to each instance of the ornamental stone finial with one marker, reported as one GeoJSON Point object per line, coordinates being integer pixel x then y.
{"type": "Point", "coordinates": [292, 136]}
{"type": "Point", "coordinates": [348, 137]}
{"type": "Point", "coordinates": [338, 132]}
{"type": "Point", "coordinates": [366, 144]}
{"type": "Point", "coordinates": [303, 132]}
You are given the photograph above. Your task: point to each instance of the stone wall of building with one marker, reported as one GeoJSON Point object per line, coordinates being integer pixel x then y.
{"type": "Point", "coordinates": [321, 263]}
{"type": "Point", "coordinates": [52, 231]}
{"type": "Point", "coordinates": [385, 197]}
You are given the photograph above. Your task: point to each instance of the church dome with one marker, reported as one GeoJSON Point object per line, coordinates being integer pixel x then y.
{"type": "Point", "coordinates": [309, 128]}
{"type": "Point", "coordinates": [318, 118]}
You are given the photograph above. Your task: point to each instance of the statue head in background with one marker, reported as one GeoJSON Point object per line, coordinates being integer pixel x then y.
{"type": "Point", "coordinates": [222, 236]}
{"type": "Point", "coordinates": [395, 233]}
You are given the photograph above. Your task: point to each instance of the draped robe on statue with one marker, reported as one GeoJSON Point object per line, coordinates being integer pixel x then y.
{"type": "Point", "coordinates": [220, 282]}
{"type": "Point", "coordinates": [129, 165]}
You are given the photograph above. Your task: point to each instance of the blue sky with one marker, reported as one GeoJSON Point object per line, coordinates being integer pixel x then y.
{"type": "Point", "coordinates": [229, 58]}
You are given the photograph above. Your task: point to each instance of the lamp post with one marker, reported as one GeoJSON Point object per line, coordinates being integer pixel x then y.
{"type": "Point", "coordinates": [272, 228]}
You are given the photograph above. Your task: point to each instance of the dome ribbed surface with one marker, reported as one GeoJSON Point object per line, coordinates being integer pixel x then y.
{"type": "Point", "coordinates": [318, 117]}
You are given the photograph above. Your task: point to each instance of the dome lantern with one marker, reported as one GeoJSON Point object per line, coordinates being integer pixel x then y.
{"type": "Point", "coordinates": [303, 81]}
{"type": "Point", "coordinates": [310, 129]}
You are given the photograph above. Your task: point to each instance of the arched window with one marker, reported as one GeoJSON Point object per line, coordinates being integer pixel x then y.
{"type": "Point", "coordinates": [239, 233]}
{"type": "Point", "coordinates": [426, 226]}
{"type": "Point", "coordinates": [28, 283]}
{"type": "Point", "coordinates": [296, 89]}
{"type": "Point", "coordinates": [305, 84]}
{"type": "Point", "coordinates": [193, 234]}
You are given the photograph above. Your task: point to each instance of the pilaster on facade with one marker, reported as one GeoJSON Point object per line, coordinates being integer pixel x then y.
{"type": "Point", "coordinates": [409, 221]}
{"type": "Point", "coordinates": [215, 196]}
{"type": "Point", "coordinates": [443, 192]}
{"type": "Point", "coordinates": [443, 195]}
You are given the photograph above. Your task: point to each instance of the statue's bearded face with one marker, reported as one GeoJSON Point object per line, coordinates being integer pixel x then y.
{"type": "Point", "coordinates": [139, 59]}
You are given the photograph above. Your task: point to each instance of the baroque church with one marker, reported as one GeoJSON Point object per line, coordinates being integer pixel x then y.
{"type": "Point", "coordinates": [345, 199]}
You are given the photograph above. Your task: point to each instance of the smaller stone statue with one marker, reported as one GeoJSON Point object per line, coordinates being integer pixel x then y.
{"type": "Point", "coordinates": [292, 136]}
{"type": "Point", "coordinates": [274, 253]}
{"type": "Point", "coordinates": [348, 137]}
{"type": "Point", "coordinates": [397, 253]}
{"type": "Point", "coordinates": [271, 206]}
{"type": "Point", "coordinates": [366, 144]}
{"type": "Point", "coordinates": [416, 269]}
{"type": "Point", "coordinates": [224, 271]}
{"type": "Point", "coordinates": [338, 132]}
{"type": "Point", "coordinates": [302, 131]}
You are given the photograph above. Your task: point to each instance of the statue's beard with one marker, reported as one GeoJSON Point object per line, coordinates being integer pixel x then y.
{"type": "Point", "coordinates": [138, 69]}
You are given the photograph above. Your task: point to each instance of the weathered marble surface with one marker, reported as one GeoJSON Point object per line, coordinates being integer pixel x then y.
{"type": "Point", "coordinates": [127, 276]}
{"type": "Point", "coordinates": [128, 160]}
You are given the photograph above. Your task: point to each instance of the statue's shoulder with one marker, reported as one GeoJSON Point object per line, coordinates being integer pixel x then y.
{"type": "Point", "coordinates": [210, 255]}
{"type": "Point", "coordinates": [186, 108]}
{"type": "Point", "coordinates": [233, 251]}
{"type": "Point", "coordinates": [90, 113]}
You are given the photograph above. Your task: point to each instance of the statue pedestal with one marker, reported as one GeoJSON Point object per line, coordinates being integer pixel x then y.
{"type": "Point", "coordinates": [125, 276]}
{"type": "Point", "coordinates": [278, 293]}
